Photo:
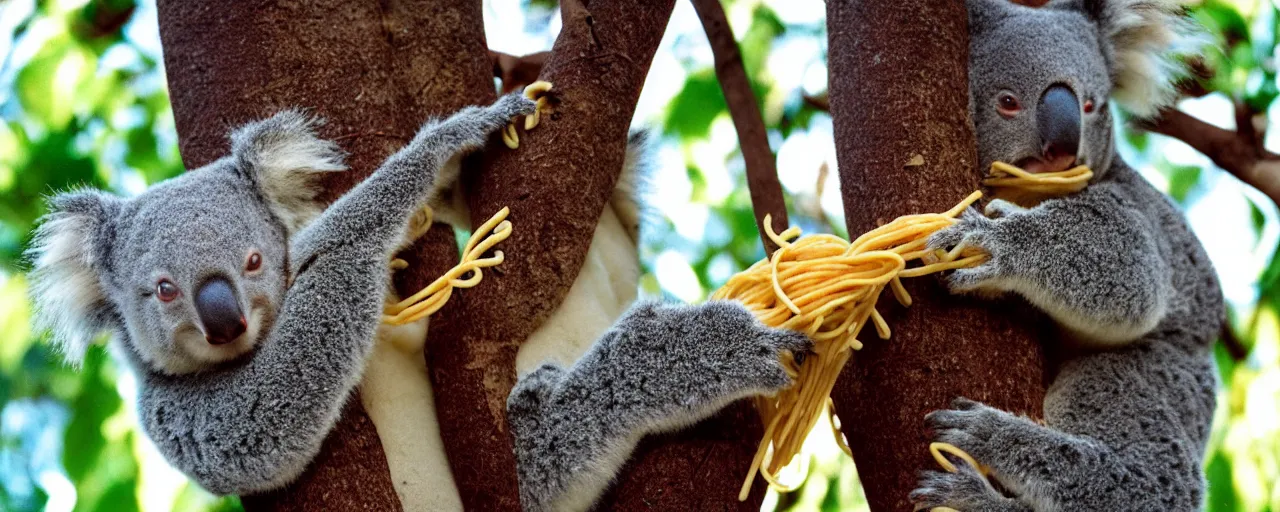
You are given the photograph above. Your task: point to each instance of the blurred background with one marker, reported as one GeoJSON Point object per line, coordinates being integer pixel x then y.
{"type": "Point", "coordinates": [84, 102]}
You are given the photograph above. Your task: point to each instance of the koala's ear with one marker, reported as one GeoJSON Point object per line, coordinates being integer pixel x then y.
{"type": "Point", "coordinates": [1148, 40]}
{"type": "Point", "coordinates": [66, 282]}
{"type": "Point", "coordinates": [285, 157]}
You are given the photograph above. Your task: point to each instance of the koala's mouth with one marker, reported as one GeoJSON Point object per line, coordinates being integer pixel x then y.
{"type": "Point", "coordinates": [1040, 165]}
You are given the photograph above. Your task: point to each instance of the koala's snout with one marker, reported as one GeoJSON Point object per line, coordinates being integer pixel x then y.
{"type": "Point", "coordinates": [219, 311]}
{"type": "Point", "coordinates": [1058, 119]}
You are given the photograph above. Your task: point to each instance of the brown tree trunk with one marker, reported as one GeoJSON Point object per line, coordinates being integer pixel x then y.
{"type": "Point", "coordinates": [375, 71]}
{"type": "Point", "coordinates": [898, 89]}
{"type": "Point", "coordinates": [557, 185]}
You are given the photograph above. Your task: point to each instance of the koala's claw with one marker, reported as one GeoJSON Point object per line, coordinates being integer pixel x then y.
{"type": "Point", "coordinates": [970, 426]}
{"type": "Point", "coordinates": [534, 93]}
{"type": "Point", "coordinates": [965, 490]}
{"type": "Point", "coordinates": [999, 208]}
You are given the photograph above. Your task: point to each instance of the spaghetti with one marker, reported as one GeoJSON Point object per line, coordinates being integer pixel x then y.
{"type": "Point", "coordinates": [827, 288]}
{"type": "Point", "coordinates": [465, 274]}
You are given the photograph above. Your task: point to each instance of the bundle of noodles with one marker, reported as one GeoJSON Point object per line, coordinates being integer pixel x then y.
{"type": "Point", "coordinates": [827, 288]}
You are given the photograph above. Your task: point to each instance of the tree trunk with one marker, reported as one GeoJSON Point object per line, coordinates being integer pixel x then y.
{"type": "Point", "coordinates": [556, 185]}
{"type": "Point", "coordinates": [898, 89]}
{"type": "Point", "coordinates": [375, 71]}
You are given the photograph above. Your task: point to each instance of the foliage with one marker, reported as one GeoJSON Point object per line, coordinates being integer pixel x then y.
{"type": "Point", "coordinates": [84, 103]}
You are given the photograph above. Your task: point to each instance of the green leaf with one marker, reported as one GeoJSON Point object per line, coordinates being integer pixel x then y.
{"type": "Point", "coordinates": [1182, 179]}
{"type": "Point", "coordinates": [1222, 491]}
{"type": "Point", "coordinates": [696, 105]}
{"type": "Point", "coordinates": [47, 85]}
{"type": "Point", "coordinates": [97, 401]}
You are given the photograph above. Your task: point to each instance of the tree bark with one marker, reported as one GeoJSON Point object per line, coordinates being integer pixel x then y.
{"type": "Point", "coordinates": [557, 185]}
{"type": "Point", "coordinates": [898, 89]}
{"type": "Point", "coordinates": [375, 71]}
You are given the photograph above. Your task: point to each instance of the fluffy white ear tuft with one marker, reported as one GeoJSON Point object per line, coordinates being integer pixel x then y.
{"type": "Point", "coordinates": [1149, 39]}
{"type": "Point", "coordinates": [286, 158]}
{"type": "Point", "coordinates": [65, 280]}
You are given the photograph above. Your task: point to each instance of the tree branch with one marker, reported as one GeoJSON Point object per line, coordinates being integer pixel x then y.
{"type": "Point", "coordinates": [1240, 152]}
{"type": "Point", "coordinates": [762, 170]}
{"type": "Point", "coordinates": [517, 72]}
{"type": "Point", "coordinates": [880, 53]}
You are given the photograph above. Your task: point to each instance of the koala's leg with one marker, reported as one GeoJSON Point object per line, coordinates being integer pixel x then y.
{"type": "Point", "coordinates": [659, 368]}
{"type": "Point", "coordinates": [1091, 261]}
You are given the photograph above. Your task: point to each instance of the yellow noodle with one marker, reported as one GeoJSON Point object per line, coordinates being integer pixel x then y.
{"type": "Point", "coordinates": [535, 91]}
{"type": "Point", "coordinates": [827, 288]}
{"type": "Point", "coordinates": [467, 273]}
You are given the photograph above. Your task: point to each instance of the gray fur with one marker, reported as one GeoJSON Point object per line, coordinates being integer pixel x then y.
{"type": "Point", "coordinates": [239, 422]}
{"type": "Point", "coordinates": [661, 367]}
{"type": "Point", "coordinates": [1128, 413]}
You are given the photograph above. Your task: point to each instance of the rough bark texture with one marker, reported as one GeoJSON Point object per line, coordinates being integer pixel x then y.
{"type": "Point", "coordinates": [762, 169]}
{"type": "Point", "coordinates": [699, 468]}
{"type": "Point", "coordinates": [557, 185]}
{"type": "Point", "coordinates": [898, 89]}
{"type": "Point", "coordinates": [376, 71]}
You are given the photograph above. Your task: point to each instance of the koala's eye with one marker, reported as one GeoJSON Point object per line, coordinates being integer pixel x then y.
{"type": "Point", "coordinates": [166, 291]}
{"type": "Point", "coordinates": [1088, 106]}
{"type": "Point", "coordinates": [1007, 104]}
{"type": "Point", "coordinates": [254, 262]}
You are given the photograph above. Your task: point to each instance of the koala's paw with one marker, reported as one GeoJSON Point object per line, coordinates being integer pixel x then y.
{"type": "Point", "coordinates": [972, 426]}
{"type": "Point", "coordinates": [745, 352]}
{"type": "Point", "coordinates": [531, 392]}
{"type": "Point", "coordinates": [999, 208]}
{"type": "Point", "coordinates": [976, 232]}
{"type": "Point", "coordinates": [510, 106]}
{"type": "Point", "coordinates": [469, 128]}
{"type": "Point", "coordinates": [965, 490]}
{"type": "Point", "coordinates": [698, 358]}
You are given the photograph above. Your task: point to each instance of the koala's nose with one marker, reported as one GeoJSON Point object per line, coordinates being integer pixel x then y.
{"type": "Point", "coordinates": [219, 311]}
{"type": "Point", "coordinates": [1058, 118]}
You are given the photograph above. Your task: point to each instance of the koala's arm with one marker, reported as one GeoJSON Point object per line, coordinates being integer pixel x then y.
{"type": "Point", "coordinates": [1095, 262]}
{"type": "Point", "coordinates": [255, 426]}
{"type": "Point", "coordinates": [659, 368]}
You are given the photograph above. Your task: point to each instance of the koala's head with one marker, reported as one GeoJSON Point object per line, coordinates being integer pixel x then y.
{"type": "Point", "coordinates": [1040, 78]}
{"type": "Point", "coordinates": [191, 272]}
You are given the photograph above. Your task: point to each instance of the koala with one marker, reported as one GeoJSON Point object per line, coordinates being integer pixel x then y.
{"type": "Point", "coordinates": [1128, 413]}
{"type": "Point", "coordinates": [247, 308]}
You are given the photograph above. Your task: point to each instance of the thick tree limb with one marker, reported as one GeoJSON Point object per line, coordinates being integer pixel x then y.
{"type": "Point", "coordinates": [227, 65]}
{"type": "Point", "coordinates": [1240, 152]}
{"type": "Point", "coordinates": [898, 89]}
{"type": "Point", "coordinates": [762, 169]}
{"type": "Point", "coordinates": [557, 184]}
{"type": "Point", "coordinates": [517, 72]}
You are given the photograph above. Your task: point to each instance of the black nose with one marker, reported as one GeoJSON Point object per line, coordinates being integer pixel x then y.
{"type": "Point", "coordinates": [219, 311]}
{"type": "Point", "coordinates": [1058, 117]}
